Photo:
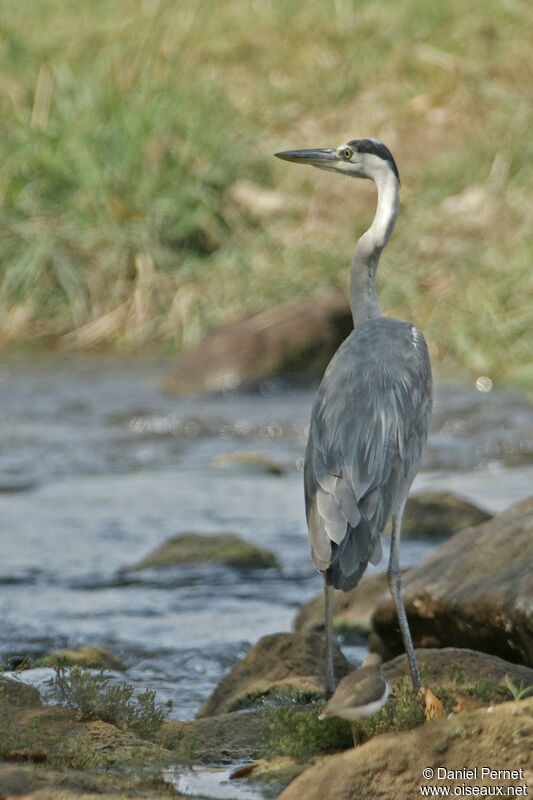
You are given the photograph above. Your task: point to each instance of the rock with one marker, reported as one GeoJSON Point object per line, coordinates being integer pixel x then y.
{"type": "Point", "coordinates": [76, 759]}
{"type": "Point", "coordinates": [18, 694]}
{"type": "Point", "coordinates": [390, 766]}
{"type": "Point", "coordinates": [272, 776]}
{"type": "Point", "coordinates": [439, 515]}
{"type": "Point", "coordinates": [476, 591]}
{"type": "Point", "coordinates": [256, 462]}
{"type": "Point", "coordinates": [289, 338]}
{"type": "Point", "coordinates": [282, 663]}
{"type": "Point", "coordinates": [212, 740]}
{"type": "Point", "coordinates": [451, 666]}
{"type": "Point", "coordinates": [88, 656]}
{"type": "Point", "coordinates": [353, 609]}
{"type": "Point", "coordinates": [198, 548]}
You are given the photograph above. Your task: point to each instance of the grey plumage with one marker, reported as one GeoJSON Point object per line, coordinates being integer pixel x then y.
{"type": "Point", "coordinates": [361, 693]}
{"type": "Point", "coordinates": [368, 426]}
{"type": "Point", "coordinates": [371, 415]}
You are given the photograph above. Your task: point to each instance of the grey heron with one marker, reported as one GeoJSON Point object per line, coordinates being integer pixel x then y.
{"type": "Point", "coordinates": [371, 415]}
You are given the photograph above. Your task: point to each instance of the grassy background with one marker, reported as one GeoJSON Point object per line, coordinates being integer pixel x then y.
{"type": "Point", "coordinates": [140, 204]}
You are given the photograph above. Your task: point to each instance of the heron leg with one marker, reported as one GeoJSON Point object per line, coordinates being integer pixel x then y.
{"type": "Point", "coordinates": [330, 674]}
{"type": "Point", "coordinates": [394, 583]}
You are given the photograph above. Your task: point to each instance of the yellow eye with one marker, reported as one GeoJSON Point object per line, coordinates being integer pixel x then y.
{"type": "Point", "coordinates": [347, 153]}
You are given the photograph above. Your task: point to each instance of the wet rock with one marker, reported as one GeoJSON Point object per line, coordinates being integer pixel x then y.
{"type": "Point", "coordinates": [88, 656]}
{"type": "Point", "coordinates": [476, 591]}
{"type": "Point", "coordinates": [197, 548]}
{"type": "Point", "coordinates": [272, 776]}
{"type": "Point", "coordinates": [214, 739]}
{"type": "Point", "coordinates": [293, 337]}
{"type": "Point", "coordinates": [439, 515]}
{"type": "Point", "coordinates": [390, 766]}
{"type": "Point", "coordinates": [286, 664]}
{"type": "Point", "coordinates": [256, 462]}
{"type": "Point", "coordinates": [353, 609]}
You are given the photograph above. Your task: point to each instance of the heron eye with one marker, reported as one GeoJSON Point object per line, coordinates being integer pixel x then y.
{"type": "Point", "coordinates": [347, 153]}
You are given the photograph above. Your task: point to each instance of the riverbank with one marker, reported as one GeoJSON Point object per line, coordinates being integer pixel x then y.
{"type": "Point", "coordinates": [140, 210]}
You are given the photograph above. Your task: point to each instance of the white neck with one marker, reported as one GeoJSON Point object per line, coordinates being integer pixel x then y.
{"type": "Point", "coordinates": [363, 296]}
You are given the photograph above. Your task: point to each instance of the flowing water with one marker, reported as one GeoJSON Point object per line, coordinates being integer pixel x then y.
{"type": "Point", "coordinates": [98, 467]}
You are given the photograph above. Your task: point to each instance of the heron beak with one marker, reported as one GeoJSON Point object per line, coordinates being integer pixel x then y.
{"type": "Point", "coordinates": [325, 158]}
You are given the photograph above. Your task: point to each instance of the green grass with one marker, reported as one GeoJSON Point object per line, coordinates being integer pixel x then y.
{"type": "Point", "coordinates": [127, 131]}
{"type": "Point", "coordinates": [301, 735]}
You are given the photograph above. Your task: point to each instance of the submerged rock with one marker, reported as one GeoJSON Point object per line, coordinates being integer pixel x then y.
{"type": "Point", "coordinates": [256, 462]}
{"type": "Point", "coordinates": [88, 656]}
{"type": "Point", "coordinates": [282, 664]}
{"type": "Point", "coordinates": [476, 590]}
{"type": "Point", "coordinates": [292, 337]}
{"type": "Point", "coordinates": [390, 766]}
{"type": "Point", "coordinates": [198, 548]}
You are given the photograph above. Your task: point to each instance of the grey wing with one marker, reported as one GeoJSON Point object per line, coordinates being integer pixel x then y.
{"type": "Point", "coordinates": [368, 427]}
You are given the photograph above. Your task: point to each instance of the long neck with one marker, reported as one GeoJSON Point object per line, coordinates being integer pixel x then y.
{"type": "Point", "coordinates": [363, 295]}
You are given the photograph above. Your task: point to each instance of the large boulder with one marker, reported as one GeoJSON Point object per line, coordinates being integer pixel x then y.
{"type": "Point", "coordinates": [196, 548]}
{"type": "Point", "coordinates": [475, 591]}
{"type": "Point", "coordinates": [391, 766]}
{"type": "Point", "coordinates": [293, 337]}
{"type": "Point", "coordinates": [290, 664]}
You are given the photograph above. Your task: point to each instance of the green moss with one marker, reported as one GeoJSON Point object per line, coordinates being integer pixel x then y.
{"type": "Point", "coordinates": [88, 656]}
{"type": "Point", "coordinates": [222, 548]}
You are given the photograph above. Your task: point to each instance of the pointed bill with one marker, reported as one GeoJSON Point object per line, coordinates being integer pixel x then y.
{"type": "Point", "coordinates": [324, 158]}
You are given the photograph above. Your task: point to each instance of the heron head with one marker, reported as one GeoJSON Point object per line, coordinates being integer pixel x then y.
{"type": "Point", "coordinates": [359, 158]}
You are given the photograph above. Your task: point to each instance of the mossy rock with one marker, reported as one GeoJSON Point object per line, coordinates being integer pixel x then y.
{"type": "Point", "coordinates": [18, 694]}
{"type": "Point", "coordinates": [88, 656]}
{"type": "Point", "coordinates": [281, 665]}
{"type": "Point", "coordinates": [274, 775]}
{"type": "Point", "coordinates": [197, 548]}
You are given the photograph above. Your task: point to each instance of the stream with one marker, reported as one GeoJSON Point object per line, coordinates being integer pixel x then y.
{"type": "Point", "coordinates": [98, 468]}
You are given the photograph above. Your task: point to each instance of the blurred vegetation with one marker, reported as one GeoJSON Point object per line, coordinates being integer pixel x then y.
{"type": "Point", "coordinates": [140, 203]}
{"type": "Point", "coordinates": [90, 694]}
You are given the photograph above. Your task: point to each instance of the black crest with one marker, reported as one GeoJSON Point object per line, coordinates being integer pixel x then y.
{"type": "Point", "coordinates": [377, 148]}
